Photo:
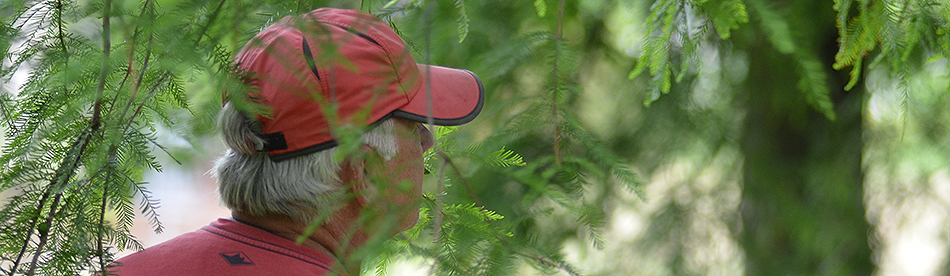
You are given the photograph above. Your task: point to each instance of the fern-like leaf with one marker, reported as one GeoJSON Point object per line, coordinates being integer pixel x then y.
{"type": "Point", "coordinates": [462, 20]}
{"type": "Point", "coordinates": [775, 26]}
{"type": "Point", "coordinates": [505, 158]}
{"type": "Point", "coordinates": [813, 83]}
{"type": "Point", "coordinates": [541, 8]}
{"type": "Point", "coordinates": [726, 15]}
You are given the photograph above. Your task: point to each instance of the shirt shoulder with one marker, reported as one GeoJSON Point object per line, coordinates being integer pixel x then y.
{"type": "Point", "coordinates": [224, 247]}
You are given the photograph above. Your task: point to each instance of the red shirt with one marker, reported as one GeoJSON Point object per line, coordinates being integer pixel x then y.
{"type": "Point", "coordinates": [224, 247]}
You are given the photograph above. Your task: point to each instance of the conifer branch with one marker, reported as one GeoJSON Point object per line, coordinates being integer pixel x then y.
{"type": "Point", "coordinates": [104, 71]}
{"type": "Point", "coordinates": [148, 56]}
{"type": "Point", "coordinates": [61, 178]}
{"type": "Point", "coordinates": [138, 109]}
{"type": "Point", "coordinates": [150, 7]}
{"type": "Point", "coordinates": [557, 50]}
{"type": "Point", "coordinates": [97, 110]}
{"type": "Point", "coordinates": [72, 161]}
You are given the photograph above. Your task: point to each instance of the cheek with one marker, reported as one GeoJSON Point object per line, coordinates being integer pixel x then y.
{"type": "Point", "coordinates": [407, 178]}
{"type": "Point", "coordinates": [409, 184]}
{"type": "Point", "coordinates": [404, 173]}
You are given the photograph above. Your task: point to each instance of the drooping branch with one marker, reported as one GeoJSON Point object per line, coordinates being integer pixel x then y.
{"type": "Point", "coordinates": [104, 69]}
{"type": "Point", "coordinates": [556, 82]}
{"type": "Point", "coordinates": [60, 34]}
{"type": "Point", "coordinates": [130, 69]}
{"type": "Point", "coordinates": [437, 214]}
{"type": "Point", "coordinates": [71, 162]}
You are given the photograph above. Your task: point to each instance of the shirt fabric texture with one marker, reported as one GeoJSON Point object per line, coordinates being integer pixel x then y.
{"type": "Point", "coordinates": [224, 247]}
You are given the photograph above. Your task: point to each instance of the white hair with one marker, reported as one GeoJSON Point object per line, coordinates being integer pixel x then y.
{"type": "Point", "coordinates": [300, 187]}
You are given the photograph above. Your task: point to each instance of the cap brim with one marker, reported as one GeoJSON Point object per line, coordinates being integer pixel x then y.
{"type": "Point", "coordinates": [457, 97]}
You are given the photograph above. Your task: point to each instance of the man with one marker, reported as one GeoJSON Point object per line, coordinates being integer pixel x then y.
{"type": "Point", "coordinates": [318, 74]}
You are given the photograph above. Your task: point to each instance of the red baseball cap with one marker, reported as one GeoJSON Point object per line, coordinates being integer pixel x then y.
{"type": "Point", "coordinates": [345, 65]}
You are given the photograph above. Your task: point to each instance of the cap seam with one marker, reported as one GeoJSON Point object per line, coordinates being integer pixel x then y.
{"type": "Point", "coordinates": [386, 49]}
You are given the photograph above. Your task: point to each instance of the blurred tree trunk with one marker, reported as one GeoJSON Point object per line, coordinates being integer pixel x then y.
{"type": "Point", "coordinates": [802, 203]}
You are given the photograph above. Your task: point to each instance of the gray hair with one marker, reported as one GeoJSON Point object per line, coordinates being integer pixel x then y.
{"type": "Point", "coordinates": [251, 183]}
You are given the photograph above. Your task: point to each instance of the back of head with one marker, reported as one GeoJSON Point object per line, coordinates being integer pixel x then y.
{"type": "Point", "coordinates": [252, 183]}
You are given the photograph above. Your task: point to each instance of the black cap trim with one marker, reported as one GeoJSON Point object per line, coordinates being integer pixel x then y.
{"type": "Point", "coordinates": [304, 151]}
{"type": "Point", "coordinates": [311, 149]}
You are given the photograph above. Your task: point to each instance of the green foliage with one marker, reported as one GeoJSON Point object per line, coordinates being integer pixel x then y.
{"type": "Point", "coordinates": [726, 15]}
{"type": "Point", "coordinates": [774, 26]}
{"type": "Point", "coordinates": [900, 30]}
{"type": "Point", "coordinates": [656, 49]}
{"type": "Point", "coordinates": [675, 23]}
{"type": "Point", "coordinates": [86, 124]}
{"type": "Point", "coordinates": [541, 7]}
{"type": "Point", "coordinates": [580, 163]}
{"type": "Point", "coordinates": [859, 35]}
{"type": "Point", "coordinates": [813, 83]}
{"type": "Point", "coordinates": [505, 158]}
{"type": "Point", "coordinates": [462, 21]}
{"type": "Point", "coordinates": [671, 23]}
{"type": "Point", "coordinates": [792, 48]}
{"type": "Point", "coordinates": [82, 129]}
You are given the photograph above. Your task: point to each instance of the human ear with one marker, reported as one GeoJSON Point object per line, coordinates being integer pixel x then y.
{"type": "Point", "coordinates": [357, 174]}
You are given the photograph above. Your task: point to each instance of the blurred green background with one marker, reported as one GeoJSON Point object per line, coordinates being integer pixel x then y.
{"type": "Point", "coordinates": [745, 171]}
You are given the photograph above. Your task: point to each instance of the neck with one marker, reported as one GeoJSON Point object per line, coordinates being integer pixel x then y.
{"type": "Point", "coordinates": [334, 238]}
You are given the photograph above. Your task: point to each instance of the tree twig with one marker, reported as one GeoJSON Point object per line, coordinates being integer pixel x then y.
{"type": "Point", "coordinates": [458, 173]}
{"type": "Point", "coordinates": [104, 71]}
{"type": "Point", "coordinates": [556, 82]}
{"type": "Point", "coordinates": [550, 263]}
{"type": "Point", "coordinates": [211, 19]}
{"type": "Point", "coordinates": [437, 215]}
{"type": "Point", "coordinates": [59, 25]}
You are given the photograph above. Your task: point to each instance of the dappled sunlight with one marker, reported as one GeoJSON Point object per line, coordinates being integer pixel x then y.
{"type": "Point", "coordinates": [647, 239]}
{"type": "Point", "coordinates": [907, 183]}
{"type": "Point", "coordinates": [911, 224]}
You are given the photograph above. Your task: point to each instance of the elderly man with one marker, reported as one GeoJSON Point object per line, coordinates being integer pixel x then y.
{"type": "Point", "coordinates": [317, 73]}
